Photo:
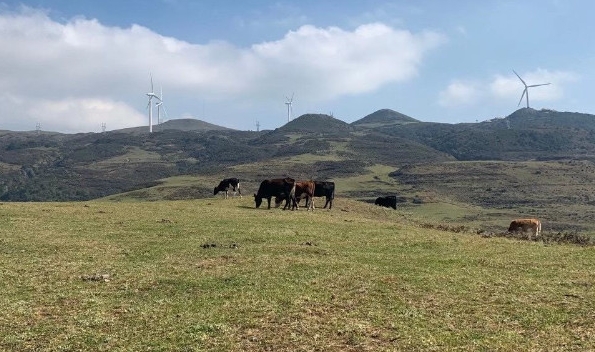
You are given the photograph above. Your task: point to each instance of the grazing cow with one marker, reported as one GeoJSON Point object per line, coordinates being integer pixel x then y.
{"type": "Point", "coordinates": [388, 201]}
{"type": "Point", "coordinates": [526, 224]}
{"type": "Point", "coordinates": [324, 189]}
{"type": "Point", "coordinates": [278, 187]}
{"type": "Point", "coordinates": [227, 183]}
{"type": "Point", "coordinates": [303, 188]}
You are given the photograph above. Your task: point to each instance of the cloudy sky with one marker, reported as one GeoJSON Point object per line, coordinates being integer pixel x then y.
{"type": "Point", "coordinates": [71, 66]}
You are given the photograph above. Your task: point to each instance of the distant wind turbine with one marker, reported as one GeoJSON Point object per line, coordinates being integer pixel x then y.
{"type": "Point", "coordinates": [288, 103]}
{"type": "Point", "coordinates": [526, 90]}
{"type": "Point", "coordinates": [160, 107]}
{"type": "Point", "coordinates": [151, 95]}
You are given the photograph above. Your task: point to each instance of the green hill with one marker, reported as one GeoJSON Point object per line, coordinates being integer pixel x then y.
{"type": "Point", "coordinates": [187, 124]}
{"type": "Point", "coordinates": [383, 117]}
{"type": "Point", "coordinates": [51, 166]}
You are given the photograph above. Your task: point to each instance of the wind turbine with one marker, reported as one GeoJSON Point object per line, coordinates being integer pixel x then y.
{"type": "Point", "coordinates": [288, 103]}
{"type": "Point", "coordinates": [526, 90]}
{"type": "Point", "coordinates": [160, 107]}
{"type": "Point", "coordinates": [151, 95]}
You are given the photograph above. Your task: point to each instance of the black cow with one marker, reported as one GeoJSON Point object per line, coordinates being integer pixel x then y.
{"type": "Point", "coordinates": [279, 188]}
{"type": "Point", "coordinates": [325, 189]}
{"type": "Point", "coordinates": [388, 201]}
{"type": "Point", "coordinates": [226, 184]}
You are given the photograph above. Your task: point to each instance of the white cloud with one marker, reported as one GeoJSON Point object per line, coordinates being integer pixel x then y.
{"type": "Point", "coordinates": [80, 73]}
{"type": "Point", "coordinates": [459, 93]}
{"type": "Point", "coordinates": [332, 62]}
{"type": "Point", "coordinates": [73, 115]}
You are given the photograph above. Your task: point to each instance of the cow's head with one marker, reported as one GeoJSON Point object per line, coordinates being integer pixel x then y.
{"type": "Point", "coordinates": [215, 191]}
{"type": "Point", "coordinates": [257, 200]}
{"type": "Point", "coordinates": [278, 201]}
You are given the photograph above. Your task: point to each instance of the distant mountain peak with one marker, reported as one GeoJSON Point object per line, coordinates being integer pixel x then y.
{"type": "Point", "coordinates": [385, 117]}
{"type": "Point", "coordinates": [320, 123]}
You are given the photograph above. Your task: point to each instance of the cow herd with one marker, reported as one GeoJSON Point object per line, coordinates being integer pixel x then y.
{"type": "Point", "coordinates": [281, 189]}
{"type": "Point", "coordinates": [291, 191]}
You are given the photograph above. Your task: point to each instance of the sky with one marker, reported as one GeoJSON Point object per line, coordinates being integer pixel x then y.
{"type": "Point", "coordinates": [87, 65]}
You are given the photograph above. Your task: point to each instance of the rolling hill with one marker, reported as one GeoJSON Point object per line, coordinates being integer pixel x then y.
{"type": "Point", "coordinates": [53, 166]}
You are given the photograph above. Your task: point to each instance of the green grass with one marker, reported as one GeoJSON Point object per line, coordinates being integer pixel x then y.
{"type": "Point", "coordinates": [135, 276]}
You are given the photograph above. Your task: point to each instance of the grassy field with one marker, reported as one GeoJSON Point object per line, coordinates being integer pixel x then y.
{"type": "Point", "coordinates": [219, 275]}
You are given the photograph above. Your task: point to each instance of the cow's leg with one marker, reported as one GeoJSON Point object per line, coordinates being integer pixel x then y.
{"type": "Point", "coordinates": [226, 195]}
{"type": "Point", "coordinates": [239, 191]}
{"type": "Point", "coordinates": [294, 202]}
{"type": "Point", "coordinates": [269, 202]}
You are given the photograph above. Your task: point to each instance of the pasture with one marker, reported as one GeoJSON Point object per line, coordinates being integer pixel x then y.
{"type": "Point", "coordinates": [219, 275]}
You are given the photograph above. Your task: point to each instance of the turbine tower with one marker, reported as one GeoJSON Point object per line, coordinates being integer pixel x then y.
{"type": "Point", "coordinates": [288, 103]}
{"type": "Point", "coordinates": [526, 90]}
{"type": "Point", "coordinates": [151, 95]}
{"type": "Point", "coordinates": [160, 107]}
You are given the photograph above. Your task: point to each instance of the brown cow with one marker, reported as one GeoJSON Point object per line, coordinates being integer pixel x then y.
{"type": "Point", "coordinates": [303, 188]}
{"type": "Point", "coordinates": [526, 224]}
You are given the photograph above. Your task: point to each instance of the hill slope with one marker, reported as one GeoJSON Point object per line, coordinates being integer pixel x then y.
{"type": "Point", "coordinates": [85, 166]}
{"type": "Point", "coordinates": [383, 117]}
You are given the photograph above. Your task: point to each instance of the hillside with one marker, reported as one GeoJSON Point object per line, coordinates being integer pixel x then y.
{"type": "Point", "coordinates": [51, 166]}
{"type": "Point", "coordinates": [525, 134]}
{"type": "Point", "coordinates": [219, 275]}
{"type": "Point", "coordinates": [383, 117]}
{"type": "Point", "coordinates": [178, 125]}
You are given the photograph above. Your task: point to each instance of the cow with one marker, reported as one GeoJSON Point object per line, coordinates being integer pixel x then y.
{"type": "Point", "coordinates": [227, 183]}
{"type": "Point", "coordinates": [325, 189]}
{"type": "Point", "coordinates": [387, 201]}
{"type": "Point", "coordinates": [303, 188]}
{"type": "Point", "coordinates": [524, 225]}
{"type": "Point", "coordinates": [279, 188]}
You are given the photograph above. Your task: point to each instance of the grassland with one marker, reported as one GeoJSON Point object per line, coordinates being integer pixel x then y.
{"type": "Point", "coordinates": [219, 275]}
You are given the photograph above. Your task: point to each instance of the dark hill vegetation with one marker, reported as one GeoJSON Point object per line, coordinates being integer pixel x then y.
{"type": "Point", "coordinates": [319, 124]}
{"type": "Point", "coordinates": [384, 117]}
{"type": "Point", "coordinates": [53, 166]}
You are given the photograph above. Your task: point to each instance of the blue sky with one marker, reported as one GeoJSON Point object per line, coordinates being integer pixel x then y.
{"type": "Point", "coordinates": [71, 66]}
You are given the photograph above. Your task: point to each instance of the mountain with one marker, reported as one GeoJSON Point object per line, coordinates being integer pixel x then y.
{"type": "Point", "coordinates": [179, 125]}
{"type": "Point", "coordinates": [524, 134]}
{"type": "Point", "coordinates": [316, 123]}
{"type": "Point", "coordinates": [49, 166]}
{"type": "Point", "coordinates": [383, 117]}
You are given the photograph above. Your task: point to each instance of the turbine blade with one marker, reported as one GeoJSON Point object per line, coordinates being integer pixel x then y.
{"type": "Point", "coordinates": [525, 84]}
{"type": "Point", "coordinates": [537, 85]}
{"type": "Point", "coordinates": [164, 111]}
{"type": "Point", "coordinates": [522, 96]}
{"type": "Point", "coordinates": [151, 82]}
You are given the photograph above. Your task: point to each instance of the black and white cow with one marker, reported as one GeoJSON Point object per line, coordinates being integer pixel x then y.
{"type": "Point", "coordinates": [387, 201]}
{"type": "Point", "coordinates": [226, 184]}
